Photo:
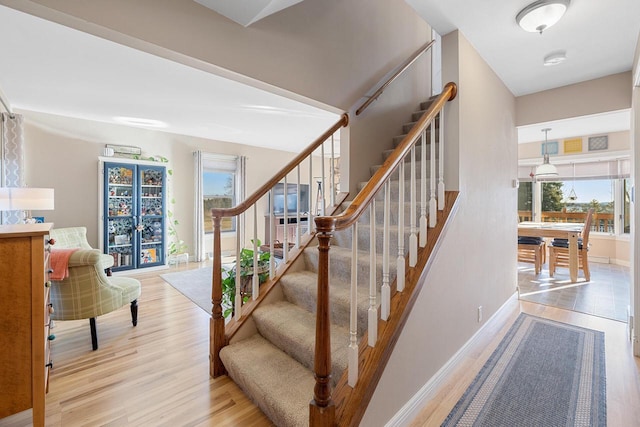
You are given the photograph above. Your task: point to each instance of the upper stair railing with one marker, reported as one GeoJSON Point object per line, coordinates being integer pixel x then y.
{"type": "Point", "coordinates": [317, 172]}
{"type": "Point", "coordinates": [395, 75]}
{"type": "Point", "coordinates": [322, 407]}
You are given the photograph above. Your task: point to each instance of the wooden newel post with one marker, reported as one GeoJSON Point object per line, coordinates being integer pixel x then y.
{"type": "Point", "coordinates": [322, 408]}
{"type": "Point", "coordinates": [216, 326]}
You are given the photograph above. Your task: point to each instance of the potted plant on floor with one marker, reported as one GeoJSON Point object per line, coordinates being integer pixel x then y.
{"type": "Point", "coordinates": [246, 278]}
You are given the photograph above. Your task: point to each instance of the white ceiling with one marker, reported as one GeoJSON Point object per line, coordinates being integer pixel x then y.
{"type": "Point", "coordinates": [599, 37]}
{"type": "Point", "coordinates": [53, 69]}
{"type": "Point", "coordinates": [50, 68]}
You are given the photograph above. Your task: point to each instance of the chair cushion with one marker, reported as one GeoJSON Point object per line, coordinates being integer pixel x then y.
{"type": "Point", "coordinates": [564, 243]}
{"type": "Point", "coordinates": [526, 240]}
{"type": "Point", "coordinates": [130, 287]}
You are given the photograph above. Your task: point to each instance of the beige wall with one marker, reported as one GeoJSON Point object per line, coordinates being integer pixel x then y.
{"type": "Point", "coordinates": [610, 93]}
{"type": "Point", "coordinates": [618, 141]}
{"type": "Point", "coordinates": [476, 264]}
{"type": "Point", "coordinates": [63, 153]}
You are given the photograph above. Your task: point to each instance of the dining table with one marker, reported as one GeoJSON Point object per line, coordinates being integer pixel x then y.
{"type": "Point", "coordinates": [561, 230]}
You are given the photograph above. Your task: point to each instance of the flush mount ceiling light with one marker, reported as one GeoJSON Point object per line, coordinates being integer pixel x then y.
{"type": "Point", "coordinates": [555, 58]}
{"type": "Point", "coordinates": [542, 14]}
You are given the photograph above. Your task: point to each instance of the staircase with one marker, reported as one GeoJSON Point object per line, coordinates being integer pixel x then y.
{"type": "Point", "coordinates": [274, 361]}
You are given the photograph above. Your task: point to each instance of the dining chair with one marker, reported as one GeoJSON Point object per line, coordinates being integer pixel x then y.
{"type": "Point", "coordinates": [559, 250]}
{"type": "Point", "coordinates": [532, 250]}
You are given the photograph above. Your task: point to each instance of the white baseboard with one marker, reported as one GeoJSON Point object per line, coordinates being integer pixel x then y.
{"type": "Point", "coordinates": [600, 259]}
{"type": "Point", "coordinates": [412, 408]}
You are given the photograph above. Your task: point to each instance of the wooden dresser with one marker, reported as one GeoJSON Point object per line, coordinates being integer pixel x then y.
{"type": "Point", "coordinates": [25, 356]}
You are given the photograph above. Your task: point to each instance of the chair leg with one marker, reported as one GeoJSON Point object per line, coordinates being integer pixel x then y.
{"type": "Point", "coordinates": [585, 266]}
{"type": "Point", "coordinates": [134, 312]}
{"type": "Point", "coordinates": [94, 333]}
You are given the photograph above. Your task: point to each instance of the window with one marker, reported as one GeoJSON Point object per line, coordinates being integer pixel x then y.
{"type": "Point", "coordinates": [525, 201]}
{"type": "Point", "coordinates": [568, 201]}
{"type": "Point", "coordinates": [602, 184]}
{"type": "Point", "coordinates": [221, 185]}
{"type": "Point", "coordinates": [626, 210]}
{"type": "Point", "coordinates": [218, 191]}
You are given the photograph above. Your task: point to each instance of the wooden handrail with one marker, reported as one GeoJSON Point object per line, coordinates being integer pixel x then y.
{"type": "Point", "coordinates": [402, 69]}
{"type": "Point", "coordinates": [364, 197]}
{"type": "Point", "coordinates": [260, 192]}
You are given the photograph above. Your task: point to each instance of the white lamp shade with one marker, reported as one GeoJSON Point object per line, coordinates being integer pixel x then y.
{"type": "Point", "coordinates": [546, 170]}
{"type": "Point", "coordinates": [26, 199]}
{"type": "Point", "coordinates": [540, 15]}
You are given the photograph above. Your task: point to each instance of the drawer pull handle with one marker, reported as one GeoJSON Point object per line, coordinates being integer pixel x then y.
{"type": "Point", "coordinates": [51, 310]}
{"type": "Point", "coordinates": [50, 270]}
{"type": "Point", "coordinates": [49, 365]}
{"type": "Point", "coordinates": [47, 284]}
{"type": "Point", "coordinates": [51, 337]}
{"type": "Point", "coordinates": [51, 241]}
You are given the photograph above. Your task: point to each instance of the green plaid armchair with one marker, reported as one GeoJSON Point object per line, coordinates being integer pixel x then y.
{"type": "Point", "coordinates": [87, 292]}
{"type": "Point", "coordinates": [76, 237]}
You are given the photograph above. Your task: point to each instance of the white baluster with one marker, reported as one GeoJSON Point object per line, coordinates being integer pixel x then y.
{"type": "Point", "coordinates": [441, 161]}
{"type": "Point", "coordinates": [373, 309]}
{"type": "Point", "coordinates": [413, 238]}
{"type": "Point", "coordinates": [311, 223]}
{"type": "Point", "coordinates": [324, 186]}
{"type": "Point", "coordinates": [401, 260]}
{"type": "Point", "coordinates": [423, 191]}
{"type": "Point", "coordinates": [255, 284]}
{"type": "Point", "coordinates": [238, 298]}
{"type": "Point", "coordinates": [386, 290]}
{"type": "Point", "coordinates": [432, 164]}
{"type": "Point", "coordinates": [272, 234]}
{"type": "Point", "coordinates": [298, 229]}
{"type": "Point", "coordinates": [285, 235]}
{"type": "Point", "coordinates": [333, 173]}
{"type": "Point", "coordinates": [353, 318]}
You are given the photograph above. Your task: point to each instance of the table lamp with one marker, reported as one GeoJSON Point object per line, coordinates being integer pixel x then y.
{"type": "Point", "coordinates": [26, 199]}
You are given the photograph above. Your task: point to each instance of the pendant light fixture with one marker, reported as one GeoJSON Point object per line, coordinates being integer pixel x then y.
{"type": "Point", "coordinates": [541, 14]}
{"type": "Point", "coordinates": [572, 194]}
{"type": "Point", "coordinates": [546, 169]}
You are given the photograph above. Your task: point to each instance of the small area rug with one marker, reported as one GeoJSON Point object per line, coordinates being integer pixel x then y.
{"type": "Point", "coordinates": [194, 284]}
{"type": "Point", "coordinates": [543, 373]}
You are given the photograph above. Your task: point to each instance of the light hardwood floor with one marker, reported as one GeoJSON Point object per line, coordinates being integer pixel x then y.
{"type": "Point", "coordinates": [157, 374]}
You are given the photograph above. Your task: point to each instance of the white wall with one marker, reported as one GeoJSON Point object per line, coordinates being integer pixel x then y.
{"type": "Point", "coordinates": [476, 265]}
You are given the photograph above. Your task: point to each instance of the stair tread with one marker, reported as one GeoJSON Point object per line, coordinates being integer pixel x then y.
{"type": "Point", "coordinates": [260, 369]}
{"type": "Point", "coordinates": [300, 288]}
{"type": "Point", "coordinates": [292, 329]}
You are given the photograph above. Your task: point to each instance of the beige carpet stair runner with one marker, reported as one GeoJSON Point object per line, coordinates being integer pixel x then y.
{"type": "Point", "coordinates": [274, 367]}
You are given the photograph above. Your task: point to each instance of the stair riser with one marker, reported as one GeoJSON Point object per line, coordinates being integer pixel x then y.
{"type": "Point", "coordinates": [407, 159]}
{"type": "Point", "coordinates": [394, 191]}
{"type": "Point", "coordinates": [301, 346]}
{"type": "Point", "coordinates": [306, 296]}
{"type": "Point", "coordinates": [340, 267]}
{"type": "Point", "coordinates": [393, 214]}
{"type": "Point", "coordinates": [343, 238]}
{"type": "Point", "coordinates": [407, 171]}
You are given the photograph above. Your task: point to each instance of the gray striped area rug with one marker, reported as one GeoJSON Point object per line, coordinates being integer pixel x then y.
{"type": "Point", "coordinates": [543, 373]}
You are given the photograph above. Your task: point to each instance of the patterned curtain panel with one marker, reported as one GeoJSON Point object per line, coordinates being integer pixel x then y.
{"type": "Point", "coordinates": [12, 166]}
